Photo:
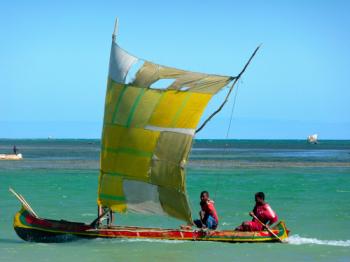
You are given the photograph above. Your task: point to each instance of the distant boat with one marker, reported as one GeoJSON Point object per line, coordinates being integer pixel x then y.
{"type": "Point", "coordinates": [11, 157]}
{"type": "Point", "coordinates": [312, 139]}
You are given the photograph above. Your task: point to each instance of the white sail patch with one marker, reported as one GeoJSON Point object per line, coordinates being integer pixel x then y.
{"type": "Point", "coordinates": [142, 197]}
{"type": "Point", "coordinates": [186, 131]}
{"type": "Point", "coordinates": [119, 63]}
{"type": "Point", "coordinates": [135, 67]}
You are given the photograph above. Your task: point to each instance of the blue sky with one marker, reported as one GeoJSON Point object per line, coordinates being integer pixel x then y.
{"type": "Point", "coordinates": [54, 62]}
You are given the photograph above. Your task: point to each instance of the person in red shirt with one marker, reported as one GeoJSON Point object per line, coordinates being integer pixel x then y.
{"type": "Point", "coordinates": [208, 216]}
{"type": "Point", "coordinates": [263, 212]}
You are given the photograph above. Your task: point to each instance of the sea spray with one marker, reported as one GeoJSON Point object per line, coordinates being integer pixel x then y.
{"type": "Point", "coordinates": [298, 240]}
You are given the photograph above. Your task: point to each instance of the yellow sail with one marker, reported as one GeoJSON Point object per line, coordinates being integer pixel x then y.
{"type": "Point", "coordinates": [148, 133]}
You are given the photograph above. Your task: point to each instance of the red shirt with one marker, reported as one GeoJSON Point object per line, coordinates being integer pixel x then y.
{"type": "Point", "coordinates": [265, 213]}
{"type": "Point", "coordinates": [209, 209]}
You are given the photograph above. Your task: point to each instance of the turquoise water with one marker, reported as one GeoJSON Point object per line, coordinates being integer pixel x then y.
{"type": "Point", "coordinates": [307, 185]}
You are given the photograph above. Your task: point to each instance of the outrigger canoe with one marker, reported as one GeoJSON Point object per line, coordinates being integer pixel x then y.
{"type": "Point", "coordinates": [36, 229]}
{"type": "Point", "coordinates": [151, 117]}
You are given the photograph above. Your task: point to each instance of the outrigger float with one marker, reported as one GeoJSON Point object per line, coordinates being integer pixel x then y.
{"type": "Point", "coordinates": [148, 128]}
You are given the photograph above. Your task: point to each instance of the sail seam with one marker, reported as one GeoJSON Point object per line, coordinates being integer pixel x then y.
{"type": "Point", "coordinates": [113, 197]}
{"type": "Point", "coordinates": [186, 131]}
{"type": "Point", "coordinates": [118, 103]}
{"type": "Point", "coordinates": [124, 176]}
{"type": "Point", "coordinates": [127, 150]}
{"type": "Point", "coordinates": [181, 108]}
{"type": "Point", "coordinates": [134, 106]}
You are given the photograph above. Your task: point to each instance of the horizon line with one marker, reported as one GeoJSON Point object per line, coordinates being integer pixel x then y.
{"type": "Point", "coordinates": [77, 138]}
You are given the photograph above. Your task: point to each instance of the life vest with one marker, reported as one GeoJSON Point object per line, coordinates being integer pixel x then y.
{"type": "Point", "coordinates": [265, 213]}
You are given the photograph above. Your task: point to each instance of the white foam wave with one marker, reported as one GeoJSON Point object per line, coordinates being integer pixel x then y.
{"type": "Point", "coordinates": [298, 240]}
{"type": "Point", "coordinates": [342, 191]}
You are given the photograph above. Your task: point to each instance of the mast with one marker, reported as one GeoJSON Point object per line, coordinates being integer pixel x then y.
{"type": "Point", "coordinates": [101, 211]}
{"type": "Point", "coordinates": [115, 32]}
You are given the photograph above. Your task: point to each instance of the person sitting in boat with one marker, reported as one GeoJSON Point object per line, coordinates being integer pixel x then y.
{"type": "Point", "coordinates": [208, 216]}
{"type": "Point", "coordinates": [263, 212]}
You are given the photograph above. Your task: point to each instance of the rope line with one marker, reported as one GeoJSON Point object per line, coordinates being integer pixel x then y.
{"type": "Point", "coordinates": [228, 131]}
{"type": "Point", "coordinates": [232, 111]}
{"type": "Point", "coordinates": [235, 80]}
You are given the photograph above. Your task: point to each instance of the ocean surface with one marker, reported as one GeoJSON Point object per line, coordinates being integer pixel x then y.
{"type": "Point", "coordinates": [307, 185]}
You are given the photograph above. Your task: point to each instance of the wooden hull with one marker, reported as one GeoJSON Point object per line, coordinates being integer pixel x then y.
{"type": "Point", "coordinates": [31, 228]}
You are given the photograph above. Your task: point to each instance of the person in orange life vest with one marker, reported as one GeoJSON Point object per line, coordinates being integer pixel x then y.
{"type": "Point", "coordinates": [263, 212]}
{"type": "Point", "coordinates": [208, 216]}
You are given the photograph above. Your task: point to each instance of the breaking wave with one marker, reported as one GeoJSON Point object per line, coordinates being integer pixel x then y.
{"type": "Point", "coordinates": [297, 240]}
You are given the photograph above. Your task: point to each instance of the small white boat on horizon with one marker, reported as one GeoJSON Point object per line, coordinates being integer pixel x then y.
{"type": "Point", "coordinates": [313, 139]}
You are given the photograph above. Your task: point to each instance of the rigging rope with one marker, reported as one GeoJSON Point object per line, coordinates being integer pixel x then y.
{"type": "Point", "coordinates": [232, 110]}
{"type": "Point", "coordinates": [235, 80]}
{"type": "Point", "coordinates": [228, 132]}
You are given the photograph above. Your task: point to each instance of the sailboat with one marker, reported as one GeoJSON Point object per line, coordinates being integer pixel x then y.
{"type": "Point", "coordinates": [312, 139]}
{"type": "Point", "coordinates": [146, 139]}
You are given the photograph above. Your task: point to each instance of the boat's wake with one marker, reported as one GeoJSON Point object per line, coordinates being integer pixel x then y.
{"type": "Point", "coordinates": [298, 240]}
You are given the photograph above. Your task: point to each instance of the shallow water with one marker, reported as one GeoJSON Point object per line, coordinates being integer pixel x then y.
{"type": "Point", "coordinates": [307, 185]}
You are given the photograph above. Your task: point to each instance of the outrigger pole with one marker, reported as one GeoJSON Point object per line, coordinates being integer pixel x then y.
{"type": "Point", "coordinates": [24, 202]}
{"type": "Point", "coordinates": [229, 92]}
